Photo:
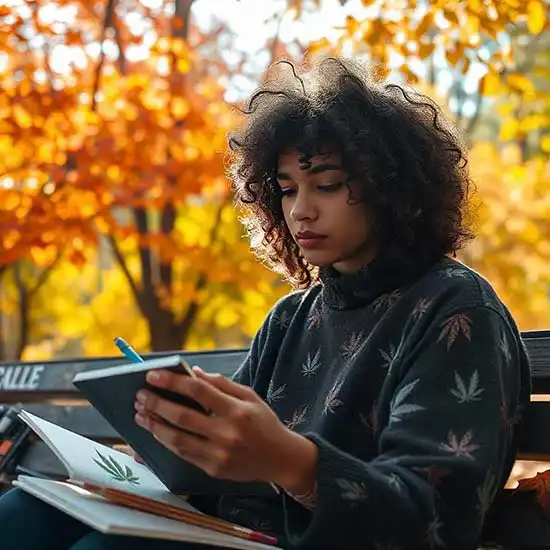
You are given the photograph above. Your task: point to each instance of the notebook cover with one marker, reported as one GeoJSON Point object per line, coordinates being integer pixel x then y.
{"type": "Point", "coordinates": [113, 395]}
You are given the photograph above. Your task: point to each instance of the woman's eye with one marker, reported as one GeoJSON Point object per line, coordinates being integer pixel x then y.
{"type": "Point", "coordinates": [287, 192]}
{"type": "Point", "coordinates": [330, 187]}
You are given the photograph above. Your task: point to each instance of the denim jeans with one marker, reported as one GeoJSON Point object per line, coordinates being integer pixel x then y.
{"type": "Point", "coordinates": [27, 523]}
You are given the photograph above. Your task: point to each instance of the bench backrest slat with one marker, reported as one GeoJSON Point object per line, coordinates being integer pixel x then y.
{"type": "Point", "coordinates": [38, 382]}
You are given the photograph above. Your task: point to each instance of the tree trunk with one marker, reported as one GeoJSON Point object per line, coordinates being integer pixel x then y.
{"type": "Point", "coordinates": [3, 354]}
{"type": "Point", "coordinates": [24, 324]}
{"type": "Point", "coordinates": [163, 333]}
{"type": "Point", "coordinates": [166, 331]}
{"type": "Point", "coordinates": [26, 291]}
{"type": "Point", "coordinates": [24, 304]}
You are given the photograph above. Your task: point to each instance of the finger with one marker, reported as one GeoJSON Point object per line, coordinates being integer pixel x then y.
{"type": "Point", "coordinates": [202, 391]}
{"type": "Point", "coordinates": [136, 457]}
{"type": "Point", "coordinates": [176, 440]}
{"type": "Point", "coordinates": [149, 403]}
{"type": "Point", "coordinates": [214, 466]}
{"type": "Point", "coordinates": [211, 467]}
{"type": "Point", "coordinates": [226, 385]}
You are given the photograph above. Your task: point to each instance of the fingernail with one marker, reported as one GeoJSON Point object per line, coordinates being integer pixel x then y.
{"type": "Point", "coordinates": [141, 420]}
{"type": "Point", "coordinates": [153, 376]}
{"type": "Point", "coordinates": [141, 396]}
{"type": "Point", "coordinates": [139, 407]}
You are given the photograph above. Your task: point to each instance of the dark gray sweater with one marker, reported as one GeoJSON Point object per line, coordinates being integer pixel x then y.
{"type": "Point", "coordinates": [412, 386]}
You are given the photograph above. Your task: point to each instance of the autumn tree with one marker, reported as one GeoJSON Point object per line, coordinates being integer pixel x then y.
{"type": "Point", "coordinates": [119, 150]}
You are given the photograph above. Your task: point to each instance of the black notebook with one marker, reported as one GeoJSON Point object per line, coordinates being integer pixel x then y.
{"type": "Point", "coordinates": [112, 391]}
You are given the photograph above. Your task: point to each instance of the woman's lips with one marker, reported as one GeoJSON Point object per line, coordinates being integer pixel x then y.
{"type": "Point", "coordinates": [309, 239]}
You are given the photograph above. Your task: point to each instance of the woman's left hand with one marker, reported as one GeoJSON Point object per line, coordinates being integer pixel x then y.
{"type": "Point", "coordinates": [242, 440]}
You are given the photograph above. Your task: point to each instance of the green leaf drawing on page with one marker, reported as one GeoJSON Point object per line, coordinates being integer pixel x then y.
{"type": "Point", "coordinates": [115, 470]}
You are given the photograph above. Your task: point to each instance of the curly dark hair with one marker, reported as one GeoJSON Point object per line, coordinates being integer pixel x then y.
{"type": "Point", "coordinates": [395, 142]}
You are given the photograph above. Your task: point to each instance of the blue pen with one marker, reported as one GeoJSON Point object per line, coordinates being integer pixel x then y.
{"type": "Point", "coordinates": [127, 350]}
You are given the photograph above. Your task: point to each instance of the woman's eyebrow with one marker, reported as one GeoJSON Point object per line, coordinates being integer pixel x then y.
{"type": "Point", "coordinates": [317, 169]}
{"type": "Point", "coordinates": [283, 176]}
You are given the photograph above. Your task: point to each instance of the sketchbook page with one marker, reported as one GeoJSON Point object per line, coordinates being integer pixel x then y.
{"type": "Point", "coordinates": [90, 462]}
{"type": "Point", "coordinates": [110, 518]}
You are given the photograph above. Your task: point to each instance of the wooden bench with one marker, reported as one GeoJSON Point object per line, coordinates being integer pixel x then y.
{"type": "Point", "coordinates": [46, 389]}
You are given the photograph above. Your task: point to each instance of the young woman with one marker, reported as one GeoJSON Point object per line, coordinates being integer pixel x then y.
{"type": "Point", "coordinates": [383, 397]}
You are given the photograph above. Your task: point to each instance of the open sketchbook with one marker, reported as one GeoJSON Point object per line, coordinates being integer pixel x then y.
{"type": "Point", "coordinates": [112, 493]}
{"type": "Point", "coordinates": [112, 392]}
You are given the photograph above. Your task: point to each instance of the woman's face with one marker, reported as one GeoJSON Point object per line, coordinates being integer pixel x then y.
{"type": "Point", "coordinates": [329, 229]}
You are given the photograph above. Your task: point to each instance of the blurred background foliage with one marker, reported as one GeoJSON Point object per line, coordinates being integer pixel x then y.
{"type": "Point", "coordinates": [115, 214]}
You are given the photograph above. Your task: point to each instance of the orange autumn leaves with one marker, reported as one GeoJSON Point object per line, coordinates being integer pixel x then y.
{"type": "Point", "coordinates": [116, 159]}
{"type": "Point", "coordinates": [540, 485]}
{"type": "Point", "coordinates": [70, 164]}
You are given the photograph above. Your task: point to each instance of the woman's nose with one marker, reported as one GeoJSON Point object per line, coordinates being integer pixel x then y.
{"type": "Point", "coordinates": [304, 207]}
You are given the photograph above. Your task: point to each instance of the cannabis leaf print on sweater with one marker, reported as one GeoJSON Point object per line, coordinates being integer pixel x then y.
{"type": "Point", "coordinates": [412, 395]}
{"type": "Point", "coordinates": [332, 401]}
{"type": "Point", "coordinates": [352, 345]}
{"type": "Point", "coordinates": [399, 408]}
{"type": "Point", "coordinates": [311, 364]}
{"type": "Point", "coordinates": [386, 300]}
{"type": "Point", "coordinates": [388, 355]}
{"type": "Point", "coordinates": [441, 432]}
{"type": "Point", "coordinates": [467, 391]}
{"type": "Point", "coordinates": [453, 326]}
{"type": "Point", "coordinates": [298, 417]}
{"type": "Point", "coordinates": [275, 394]}
{"type": "Point", "coordinates": [421, 307]}
{"type": "Point", "coordinates": [460, 447]}
{"type": "Point", "coordinates": [352, 491]}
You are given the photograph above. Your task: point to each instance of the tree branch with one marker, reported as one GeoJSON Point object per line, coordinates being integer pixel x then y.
{"type": "Point", "coordinates": [148, 295]}
{"type": "Point", "coordinates": [107, 21]}
{"type": "Point", "coordinates": [182, 11]}
{"type": "Point", "coordinates": [24, 305]}
{"type": "Point", "coordinates": [180, 28]}
{"type": "Point", "coordinates": [167, 224]}
{"type": "Point", "coordinates": [16, 268]}
{"type": "Point", "coordinates": [3, 353]}
{"type": "Point", "coordinates": [121, 60]}
{"type": "Point", "coordinates": [46, 47]}
{"type": "Point", "coordinates": [43, 277]}
{"type": "Point", "coordinates": [183, 327]}
{"type": "Point", "coordinates": [124, 266]}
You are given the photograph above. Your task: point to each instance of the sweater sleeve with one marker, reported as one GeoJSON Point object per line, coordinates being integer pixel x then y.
{"type": "Point", "coordinates": [446, 445]}
{"type": "Point", "coordinates": [255, 370]}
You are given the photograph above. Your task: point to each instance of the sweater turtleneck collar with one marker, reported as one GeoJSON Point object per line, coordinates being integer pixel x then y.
{"type": "Point", "coordinates": [354, 290]}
